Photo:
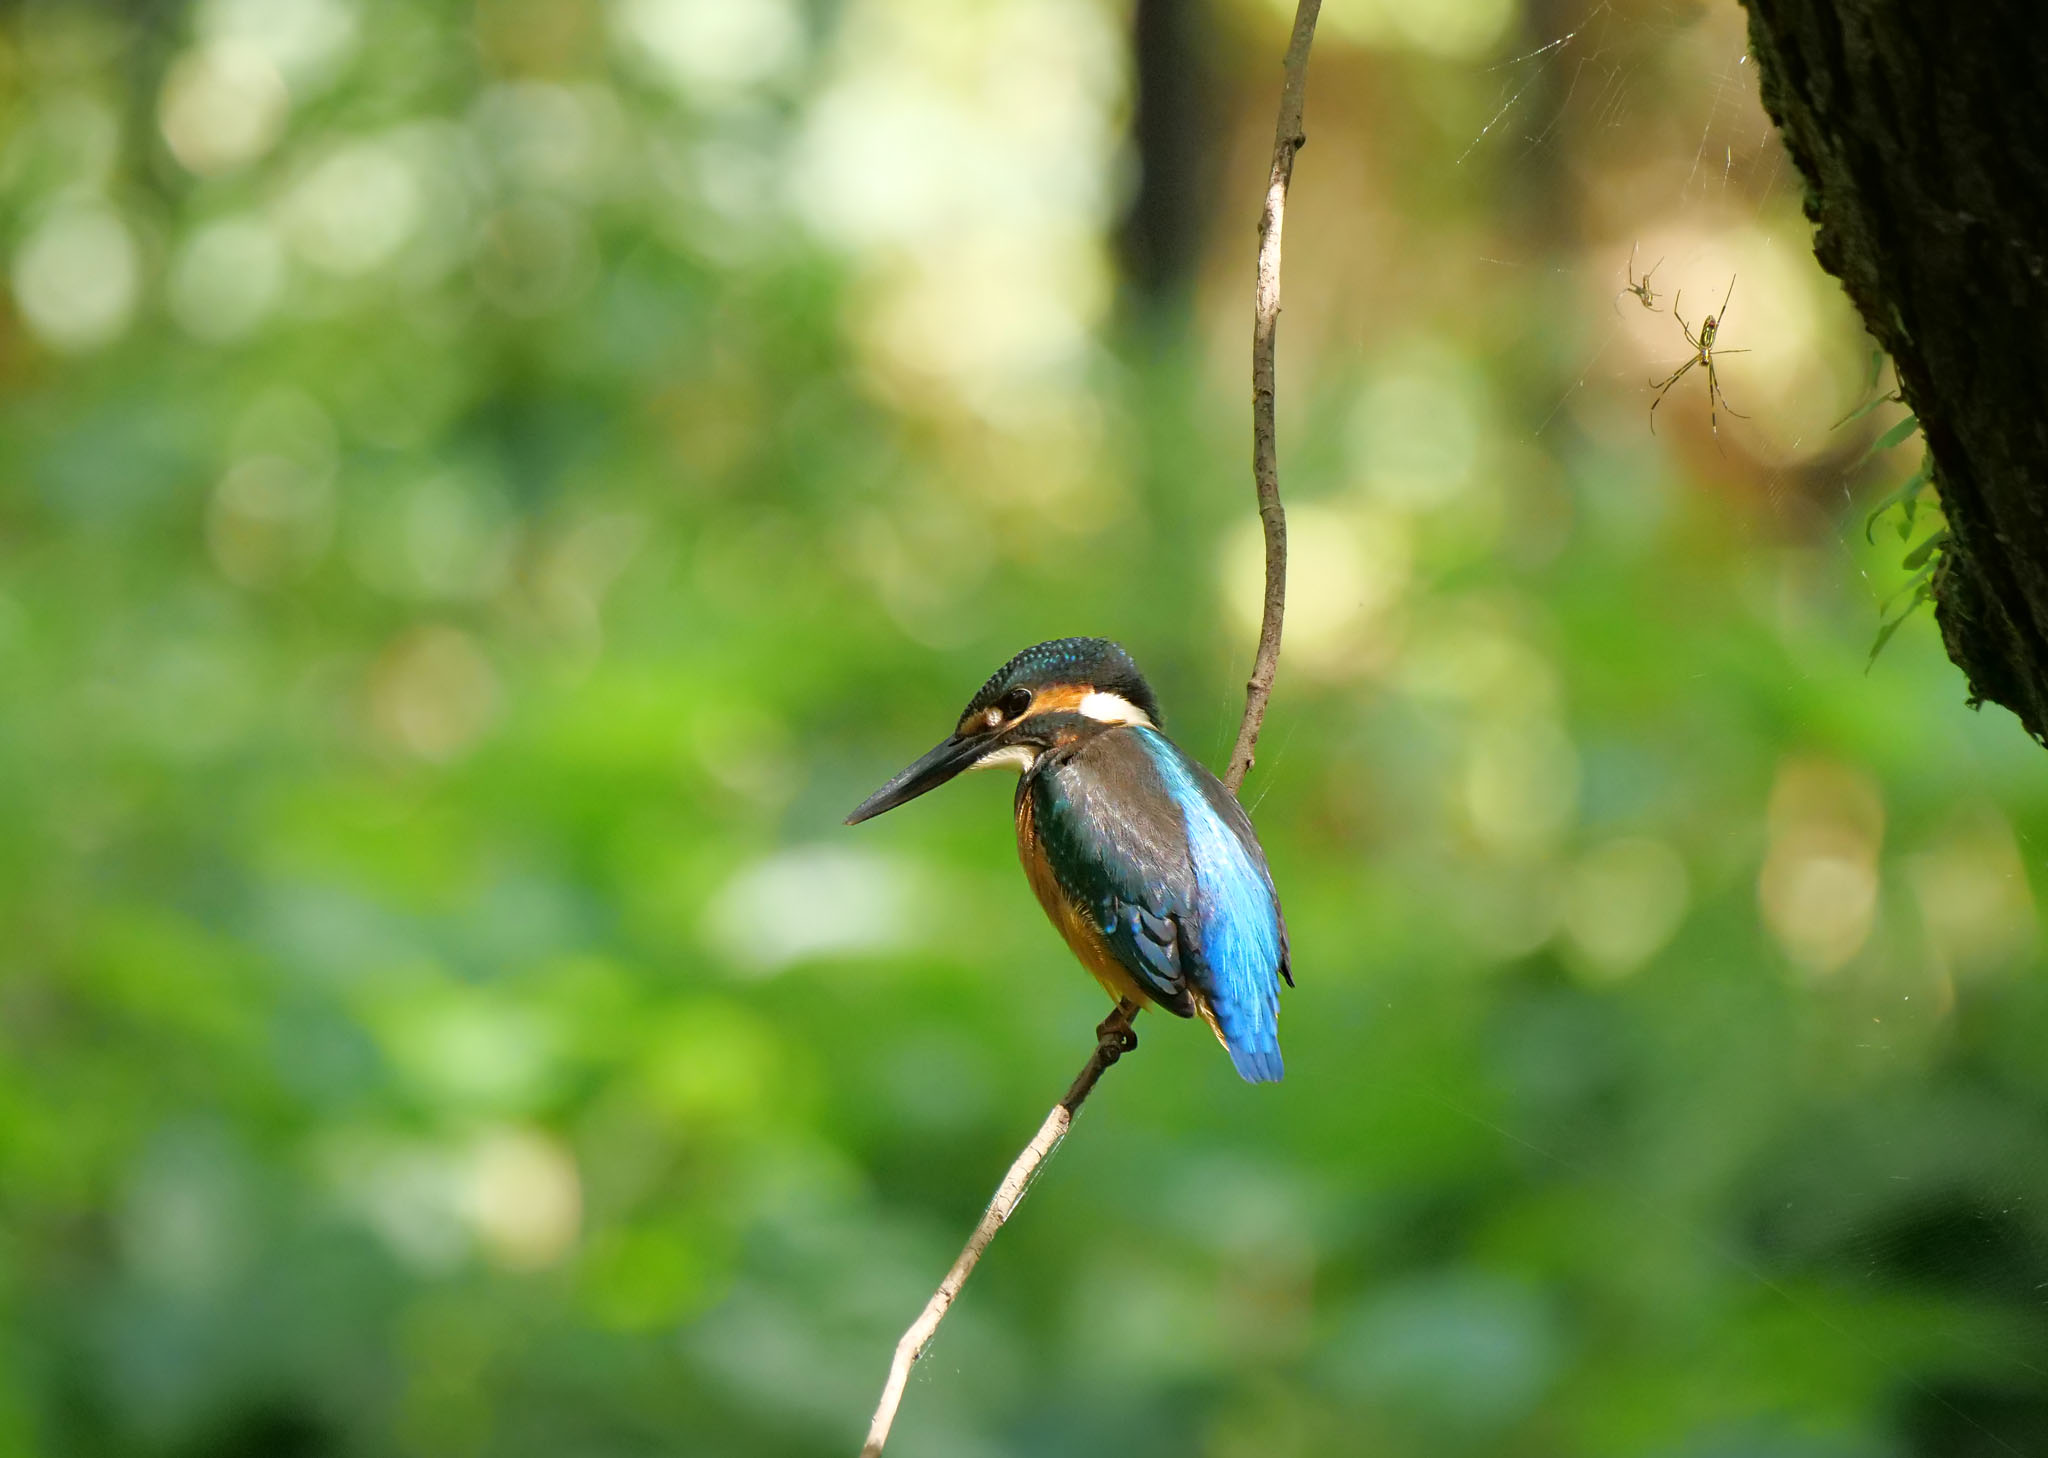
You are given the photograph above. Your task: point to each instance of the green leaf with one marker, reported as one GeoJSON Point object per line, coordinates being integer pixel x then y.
{"type": "Point", "coordinates": [1895, 436]}
{"type": "Point", "coordinates": [1907, 496]}
{"type": "Point", "coordinates": [1923, 591]}
{"type": "Point", "coordinates": [1884, 636]}
{"type": "Point", "coordinates": [1869, 389]}
{"type": "Point", "coordinates": [1920, 585]}
{"type": "Point", "coordinates": [1865, 408]}
{"type": "Point", "coordinates": [1919, 555]}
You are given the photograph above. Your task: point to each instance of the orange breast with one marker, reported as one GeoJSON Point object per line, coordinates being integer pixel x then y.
{"type": "Point", "coordinates": [1074, 923]}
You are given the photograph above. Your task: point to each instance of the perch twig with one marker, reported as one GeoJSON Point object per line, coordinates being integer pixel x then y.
{"type": "Point", "coordinates": [1288, 139]}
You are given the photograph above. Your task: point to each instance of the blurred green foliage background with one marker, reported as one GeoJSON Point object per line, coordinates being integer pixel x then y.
{"type": "Point", "coordinates": [485, 486]}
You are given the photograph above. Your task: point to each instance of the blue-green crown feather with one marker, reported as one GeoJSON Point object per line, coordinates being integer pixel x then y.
{"type": "Point", "coordinates": [1094, 661]}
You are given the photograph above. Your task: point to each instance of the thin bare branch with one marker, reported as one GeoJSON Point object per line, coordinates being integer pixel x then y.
{"type": "Point", "coordinates": [1114, 1037]}
{"type": "Point", "coordinates": [1288, 139]}
{"type": "Point", "coordinates": [1112, 1040]}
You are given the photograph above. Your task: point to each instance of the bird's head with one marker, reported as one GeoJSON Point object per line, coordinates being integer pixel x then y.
{"type": "Point", "coordinates": [1047, 695]}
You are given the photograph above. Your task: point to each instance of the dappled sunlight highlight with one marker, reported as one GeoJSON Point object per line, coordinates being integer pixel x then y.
{"type": "Point", "coordinates": [409, 1194]}
{"type": "Point", "coordinates": [524, 1197]}
{"type": "Point", "coordinates": [433, 694]}
{"type": "Point", "coordinates": [350, 212]}
{"type": "Point", "coordinates": [272, 513]}
{"type": "Point", "coordinates": [1460, 29]}
{"type": "Point", "coordinates": [269, 520]}
{"type": "Point", "coordinates": [1974, 897]}
{"type": "Point", "coordinates": [1504, 910]}
{"type": "Point", "coordinates": [1624, 901]}
{"type": "Point", "coordinates": [962, 155]}
{"type": "Point", "coordinates": [77, 276]}
{"type": "Point", "coordinates": [308, 41]}
{"type": "Point", "coordinates": [535, 256]}
{"type": "Point", "coordinates": [811, 902]}
{"type": "Point", "coordinates": [1518, 790]}
{"type": "Point", "coordinates": [564, 139]}
{"type": "Point", "coordinates": [575, 572]}
{"type": "Point", "coordinates": [222, 107]}
{"type": "Point", "coordinates": [450, 537]}
{"type": "Point", "coordinates": [1818, 885]}
{"type": "Point", "coordinates": [471, 1049]}
{"type": "Point", "coordinates": [711, 49]}
{"type": "Point", "coordinates": [928, 564]}
{"type": "Point", "coordinates": [1417, 431]}
{"type": "Point", "coordinates": [1474, 652]}
{"type": "Point", "coordinates": [184, 1220]}
{"type": "Point", "coordinates": [227, 278]}
{"type": "Point", "coordinates": [1347, 569]}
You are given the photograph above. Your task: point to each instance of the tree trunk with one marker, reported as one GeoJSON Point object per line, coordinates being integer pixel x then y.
{"type": "Point", "coordinates": [1921, 128]}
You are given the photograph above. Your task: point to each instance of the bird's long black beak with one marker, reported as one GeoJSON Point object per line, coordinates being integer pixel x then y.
{"type": "Point", "coordinates": [945, 760]}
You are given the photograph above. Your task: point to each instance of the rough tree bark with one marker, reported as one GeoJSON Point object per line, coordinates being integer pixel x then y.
{"type": "Point", "coordinates": [1921, 128]}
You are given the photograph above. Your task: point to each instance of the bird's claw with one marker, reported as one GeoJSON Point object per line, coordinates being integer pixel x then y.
{"type": "Point", "coordinates": [1115, 1036]}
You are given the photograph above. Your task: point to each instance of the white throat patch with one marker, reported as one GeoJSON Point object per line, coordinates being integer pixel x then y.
{"type": "Point", "coordinates": [1021, 756]}
{"type": "Point", "coordinates": [1107, 708]}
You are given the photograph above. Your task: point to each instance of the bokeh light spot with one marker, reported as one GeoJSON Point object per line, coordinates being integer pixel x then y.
{"type": "Point", "coordinates": [524, 1197]}
{"type": "Point", "coordinates": [1345, 571]}
{"type": "Point", "coordinates": [351, 212]}
{"type": "Point", "coordinates": [1975, 900]}
{"type": "Point", "coordinates": [433, 694]}
{"type": "Point", "coordinates": [812, 901]}
{"type": "Point", "coordinates": [306, 40]}
{"type": "Point", "coordinates": [1520, 786]}
{"type": "Point", "coordinates": [223, 106]}
{"type": "Point", "coordinates": [268, 520]}
{"type": "Point", "coordinates": [77, 276]}
{"type": "Point", "coordinates": [1450, 28]}
{"type": "Point", "coordinates": [712, 46]}
{"type": "Point", "coordinates": [1818, 884]}
{"type": "Point", "coordinates": [1415, 433]}
{"type": "Point", "coordinates": [227, 278]}
{"type": "Point", "coordinates": [1623, 902]}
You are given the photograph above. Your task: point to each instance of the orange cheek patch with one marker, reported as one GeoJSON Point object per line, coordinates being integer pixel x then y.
{"type": "Point", "coordinates": [1059, 697]}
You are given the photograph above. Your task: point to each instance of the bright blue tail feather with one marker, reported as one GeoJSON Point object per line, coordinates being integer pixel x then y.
{"type": "Point", "coordinates": [1257, 1065]}
{"type": "Point", "coordinates": [1240, 926]}
{"type": "Point", "coordinates": [1247, 1011]}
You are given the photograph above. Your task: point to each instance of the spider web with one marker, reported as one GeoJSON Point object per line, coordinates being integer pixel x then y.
{"type": "Point", "coordinates": [1585, 97]}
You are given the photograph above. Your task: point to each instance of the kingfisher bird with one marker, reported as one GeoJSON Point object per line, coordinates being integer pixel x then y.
{"type": "Point", "coordinates": [1146, 864]}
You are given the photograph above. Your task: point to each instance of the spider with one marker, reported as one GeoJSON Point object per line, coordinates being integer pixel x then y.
{"type": "Point", "coordinates": [1703, 354]}
{"type": "Point", "coordinates": [1640, 287]}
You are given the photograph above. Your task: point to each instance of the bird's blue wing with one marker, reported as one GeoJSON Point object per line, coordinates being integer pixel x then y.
{"type": "Point", "coordinates": [1233, 815]}
{"type": "Point", "coordinates": [1118, 849]}
{"type": "Point", "coordinates": [1238, 944]}
{"type": "Point", "coordinates": [1165, 858]}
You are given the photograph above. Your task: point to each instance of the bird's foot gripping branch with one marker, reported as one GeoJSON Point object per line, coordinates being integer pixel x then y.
{"type": "Point", "coordinates": [1114, 1035]}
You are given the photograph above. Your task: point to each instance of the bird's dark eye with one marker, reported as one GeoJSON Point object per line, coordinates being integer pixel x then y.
{"type": "Point", "coordinates": [1015, 702]}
